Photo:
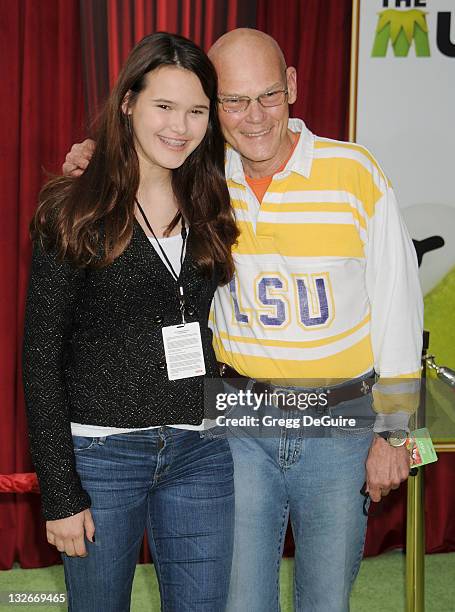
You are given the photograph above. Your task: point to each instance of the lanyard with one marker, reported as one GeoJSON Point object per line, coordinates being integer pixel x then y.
{"type": "Point", "coordinates": [171, 268]}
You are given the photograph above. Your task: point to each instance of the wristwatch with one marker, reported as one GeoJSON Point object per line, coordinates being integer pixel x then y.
{"type": "Point", "coordinates": [395, 438]}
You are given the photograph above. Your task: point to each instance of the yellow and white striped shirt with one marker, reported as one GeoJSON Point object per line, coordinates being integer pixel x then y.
{"type": "Point", "coordinates": [326, 283]}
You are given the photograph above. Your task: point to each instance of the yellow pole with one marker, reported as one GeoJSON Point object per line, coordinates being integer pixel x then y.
{"type": "Point", "coordinates": [415, 545]}
{"type": "Point", "coordinates": [415, 515]}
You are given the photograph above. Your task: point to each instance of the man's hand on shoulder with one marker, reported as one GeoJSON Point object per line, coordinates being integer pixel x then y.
{"type": "Point", "coordinates": [387, 467]}
{"type": "Point", "coordinates": [77, 160]}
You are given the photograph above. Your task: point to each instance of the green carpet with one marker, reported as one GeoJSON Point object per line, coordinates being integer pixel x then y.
{"type": "Point", "coordinates": [379, 587]}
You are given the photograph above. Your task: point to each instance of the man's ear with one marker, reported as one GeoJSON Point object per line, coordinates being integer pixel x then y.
{"type": "Point", "coordinates": [126, 108]}
{"type": "Point", "coordinates": [291, 79]}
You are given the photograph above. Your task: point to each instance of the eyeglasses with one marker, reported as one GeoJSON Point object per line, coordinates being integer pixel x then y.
{"type": "Point", "coordinates": [239, 104]}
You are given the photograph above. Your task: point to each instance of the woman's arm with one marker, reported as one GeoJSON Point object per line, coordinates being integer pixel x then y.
{"type": "Point", "coordinates": [52, 294]}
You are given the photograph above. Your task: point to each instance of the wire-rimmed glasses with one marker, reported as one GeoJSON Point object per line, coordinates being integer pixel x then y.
{"type": "Point", "coordinates": [239, 104]}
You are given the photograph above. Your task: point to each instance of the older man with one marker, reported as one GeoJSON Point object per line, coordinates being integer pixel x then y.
{"type": "Point", "coordinates": [325, 288]}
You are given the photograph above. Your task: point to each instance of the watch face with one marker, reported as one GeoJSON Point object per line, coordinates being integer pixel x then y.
{"type": "Point", "coordinates": [397, 438]}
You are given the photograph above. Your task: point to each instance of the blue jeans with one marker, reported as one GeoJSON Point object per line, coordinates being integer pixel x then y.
{"type": "Point", "coordinates": [178, 486]}
{"type": "Point", "coordinates": [285, 473]}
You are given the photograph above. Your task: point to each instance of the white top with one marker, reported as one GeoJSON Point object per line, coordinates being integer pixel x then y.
{"type": "Point", "coordinates": [172, 246]}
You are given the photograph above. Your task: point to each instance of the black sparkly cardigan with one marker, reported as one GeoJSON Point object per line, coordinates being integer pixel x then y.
{"type": "Point", "coordinates": [93, 353]}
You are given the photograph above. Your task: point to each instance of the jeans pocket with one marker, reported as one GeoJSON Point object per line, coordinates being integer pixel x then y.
{"type": "Point", "coordinates": [352, 431]}
{"type": "Point", "coordinates": [214, 433]}
{"type": "Point", "coordinates": [354, 417]}
{"type": "Point", "coordinates": [84, 443]}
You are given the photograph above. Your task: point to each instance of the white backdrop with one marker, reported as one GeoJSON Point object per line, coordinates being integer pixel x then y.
{"type": "Point", "coordinates": [406, 117]}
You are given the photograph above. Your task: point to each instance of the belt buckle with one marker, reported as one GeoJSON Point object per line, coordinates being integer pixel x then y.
{"type": "Point", "coordinates": [365, 387]}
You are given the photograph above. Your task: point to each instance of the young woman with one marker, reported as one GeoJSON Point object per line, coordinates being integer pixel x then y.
{"type": "Point", "coordinates": [126, 260]}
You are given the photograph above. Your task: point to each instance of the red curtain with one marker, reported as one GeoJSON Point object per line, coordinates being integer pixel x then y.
{"type": "Point", "coordinates": [315, 37]}
{"type": "Point", "coordinates": [201, 20]}
{"type": "Point", "coordinates": [42, 109]}
{"type": "Point", "coordinates": [388, 529]}
{"type": "Point", "coordinates": [110, 28]}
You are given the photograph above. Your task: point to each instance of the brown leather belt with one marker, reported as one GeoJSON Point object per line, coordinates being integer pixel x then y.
{"type": "Point", "coordinates": [335, 395]}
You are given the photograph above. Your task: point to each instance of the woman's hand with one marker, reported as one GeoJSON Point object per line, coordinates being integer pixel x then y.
{"type": "Point", "coordinates": [68, 534]}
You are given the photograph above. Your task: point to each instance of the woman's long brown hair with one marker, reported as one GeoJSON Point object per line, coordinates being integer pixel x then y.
{"type": "Point", "coordinates": [89, 220]}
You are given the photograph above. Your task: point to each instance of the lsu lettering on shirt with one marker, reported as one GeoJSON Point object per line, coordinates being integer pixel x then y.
{"type": "Point", "coordinates": [326, 283]}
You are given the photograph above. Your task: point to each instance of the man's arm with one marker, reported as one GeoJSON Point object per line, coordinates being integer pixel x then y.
{"type": "Point", "coordinates": [396, 333]}
{"type": "Point", "coordinates": [77, 160]}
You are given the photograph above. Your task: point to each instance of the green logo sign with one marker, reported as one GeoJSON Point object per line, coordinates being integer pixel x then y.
{"type": "Point", "coordinates": [401, 28]}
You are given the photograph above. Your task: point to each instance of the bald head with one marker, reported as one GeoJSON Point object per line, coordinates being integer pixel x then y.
{"type": "Point", "coordinates": [250, 66]}
{"type": "Point", "coordinates": [246, 43]}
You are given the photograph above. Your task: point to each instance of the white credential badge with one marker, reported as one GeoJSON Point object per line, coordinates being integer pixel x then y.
{"type": "Point", "coordinates": [183, 351]}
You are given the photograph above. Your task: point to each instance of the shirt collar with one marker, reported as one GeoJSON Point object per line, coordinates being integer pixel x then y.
{"type": "Point", "coordinates": [300, 161]}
